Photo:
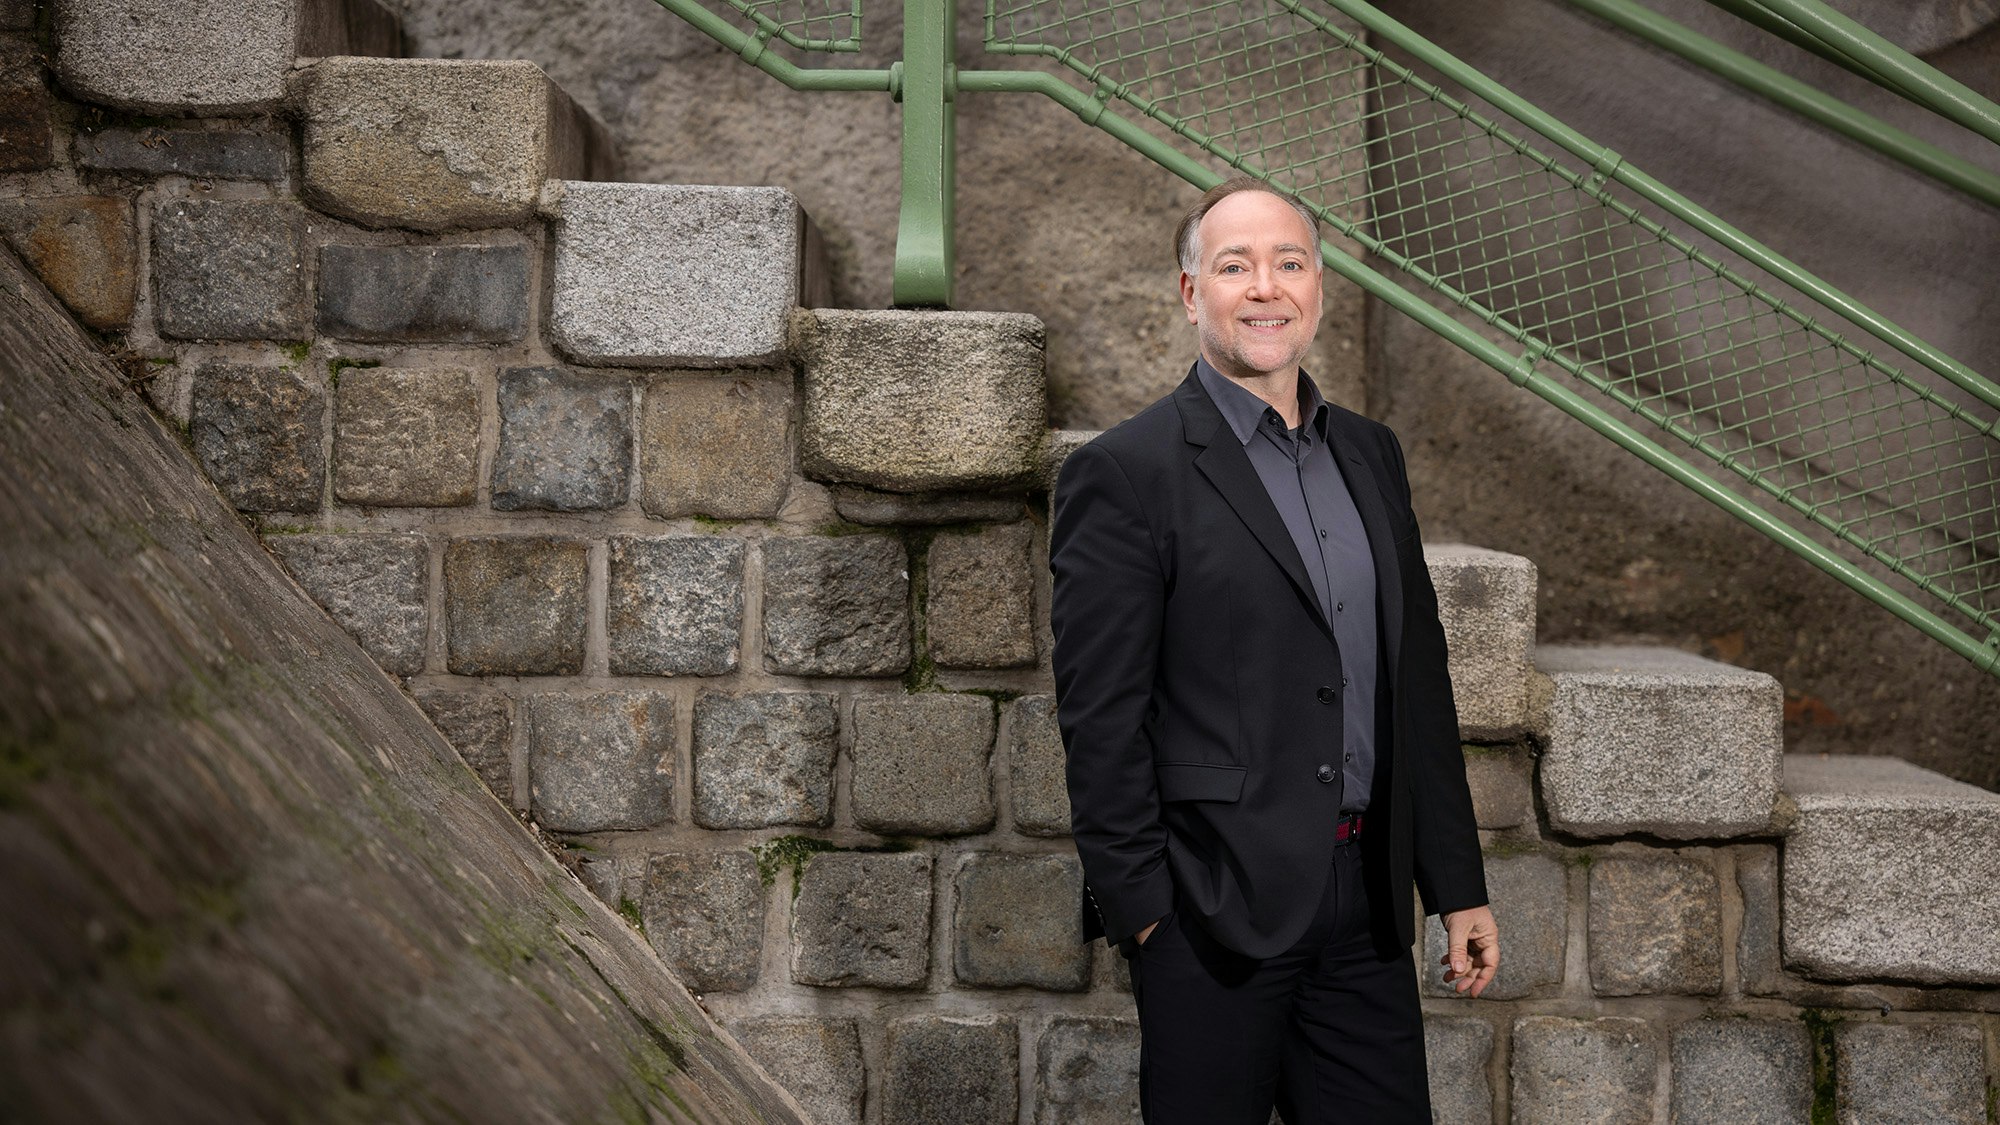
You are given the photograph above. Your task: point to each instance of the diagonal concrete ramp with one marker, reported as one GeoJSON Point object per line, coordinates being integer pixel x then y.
{"type": "Point", "coordinates": [241, 877]}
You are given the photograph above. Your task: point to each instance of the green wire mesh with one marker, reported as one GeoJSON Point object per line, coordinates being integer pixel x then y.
{"type": "Point", "coordinates": [808, 25]}
{"type": "Point", "coordinates": [1590, 280]}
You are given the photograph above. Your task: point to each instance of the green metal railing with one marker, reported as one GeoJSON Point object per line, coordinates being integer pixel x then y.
{"type": "Point", "coordinates": [1541, 253]}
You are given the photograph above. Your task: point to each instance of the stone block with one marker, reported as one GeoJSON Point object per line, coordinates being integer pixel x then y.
{"type": "Point", "coordinates": [1759, 958]}
{"type": "Point", "coordinates": [665, 275]}
{"type": "Point", "coordinates": [817, 1060]}
{"type": "Point", "coordinates": [432, 144]}
{"type": "Point", "coordinates": [1748, 1072]}
{"type": "Point", "coordinates": [601, 761]}
{"type": "Point", "coordinates": [406, 437]}
{"type": "Point", "coordinates": [1596, 1070]}
{"type": "Point", "coordinates": [836, 606]}
{"type": "Point", "coordinates": [863, 919]}
{"type": "Point", "coordinates": [1531, 904]}
{"type": "Point", "coordinates": [1087, 1072]}
{"type": "Point", "coordinates": [1015, 924]}
{"type": "Point", "coordinates": [514, 605]}
{"type": "Point", "coordinates": [480, 725]}
{"type": "Point", "coordinates": [257, 432]}
{"type": "Point", "coordinates": [1887, 871]}
{"type": "Point", "coordinates": [84, 249]}
{"type": "Point", "coordinates": [1486, 600]}
{"type": "Point", "coordinates": [1910, 1074]}
{"type": "Point", "coordinates": [922, 401]}
{"type": "Point", "coordinates": [27, 143]}
{"type": "Point", "coordinates": [373, 586]}
{"type": "Point", "coordinates": [868, 506]}
{"type": "Point", "coordinates": [1056, 448]}
{"type": "Point", "coordinates": [765, 758]}
{"type": "Point", "coordinates": [1660, 742]}
{"type": "Point", "coordinates": [674, 606]}
{"type": "Point", "coordinates": [226, 269]}
{"type": "Point", "coordinates": [980, 610]}
{"type": "Point", "coordinates": [202, 154]}
{"type": "Point", "coordinates": [951, 1070]}
{"type": "Point", "coordinates": [1503, 787]}
{"type": "Point", "coordinates": [459, 294]}
{"type": "Point", "coordinates": [1457, 1051]}
{"type": "Point", "coordinates": [704, 912]}
{"type": "Point", "coordinates": [1037, 779]}
{"type": "Point", "coordinates": [718, 447]}
{"type": "Point", "coordinates": [565, 441]}
{"type": "Point", "coordinates": [921, 764]}
{"type": "Point", "coordinates": [1655, 926]}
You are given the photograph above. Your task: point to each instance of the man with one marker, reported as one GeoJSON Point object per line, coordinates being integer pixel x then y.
{"type": "Point", "coordinates": [1263, 750]}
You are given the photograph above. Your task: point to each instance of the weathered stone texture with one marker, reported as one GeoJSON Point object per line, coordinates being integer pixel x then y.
{"type": "Point", "coordinates": [230, 270]}
{"type": "Point", "coordinates": [674, 606]}
{"type": "Point", "coordinates": [718, 447]}
{"type": "Point", "coordinates": [863, 919]}
{"type": "Point", "coordinates": [480, 725]}
{"type": "Point", "coordinates": [1014, 923]}
{"type": "Point", "coordinates": [1759, 959]}
{"type": "Point", "coordinates": [1037, 781]}
{"type": "Point", "coordinates": [817, 1060]}
{"type": "Point", "coordinates": [921, 764]}
{"type": "Point", "coordinates": [836, 606]}
{"type": "Point", "coordinates": [1910, 1074]}
{"type": "Point", "coordinates": [514, 605]}
{"type": "Point", "coordinates": [1486, 600]}
{"type": "Point", "coordinates": [764, 758]}
{"type": "Point", "coordinates": [206, 154]}
{"type": "Point", "coordinates": [210, 56]}
{"type": "Point", "coordinates": [565, 441]}
{"type": "Point", "coordinates": [83, 247]}
{"type": "Point", "coordinates": [1087, 1072]}
{"type": "Point", "coordinates": [866, 505]}
{"type": "Point", "coordinates": [980, 609]}
{"type": "Point", "coordinates": [922, 401]}
{"type": "Point", "coordinates": [946, 1070]}
{"type": "Point", "coordinates": [1457, 1051]}
{"type": "Point", "coordinates": [1747, 1072]}
{"type": "Point", "coordinates": [1531, 904]}
{"type": "Point", "coordinates": [1574, 1070]}
{"type": "Point", "coordinates": [473, 294]}
{"type": "Point", "coordinates": [704, 912]}
{"type": "Point", "coordinates": [406, 437]}
{"type": "Point", "coordinates": [1655, 926]}
{"type": "Point", "coordinates": [27, 144]}
{"type": "Point", "coordinates": [1502, 783]}
{"type": "Point", "coordinates": [601, 761]}
{"type": "Point", "coordinates": [257, 431]}
{"type": "Point", "coordinates": [375, 586]}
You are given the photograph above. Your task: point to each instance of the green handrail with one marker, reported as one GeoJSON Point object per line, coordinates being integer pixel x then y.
{"type": "Point", "coordinates": [1914, 78]}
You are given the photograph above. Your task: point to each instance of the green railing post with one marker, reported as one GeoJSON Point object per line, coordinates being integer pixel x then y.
{"type": "Point", "coordinates": [924, 227]}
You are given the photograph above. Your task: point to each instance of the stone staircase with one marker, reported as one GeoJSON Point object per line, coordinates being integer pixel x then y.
{"type": "Point", "coordinates": [743, 599]}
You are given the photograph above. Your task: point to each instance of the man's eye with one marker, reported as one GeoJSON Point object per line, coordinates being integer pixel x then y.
{"type": "Point", "coordinates": [1293, 266]}
{"type": "Point", "coordinates": [1232, 268]}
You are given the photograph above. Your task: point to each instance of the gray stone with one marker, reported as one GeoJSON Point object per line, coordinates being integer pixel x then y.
{"type": "Point", "coordinates": [27, 143]}
{"type": "Point", "coordinates": [674, 606]}
{"type": "Point", "coordinates": [84, 249]}
{"type": "Point", "coordinates": [817, 1060]}
{"type": "Point", "coordinates": [1598, 1071]}
{"type": "Point", "coordinates": [1759, 958]}
{"type": "Point", "coordinates": [921, 764]}
{"type": "Point", "coordinates": [922, 401]}
{"type": "Point", "coordinates": [718, 447]}
{"type": "Point", "coordinates": [1057, 447]}
{"type": "Point", "coordinates": [764, 758]}
{"type": "Point", "coordinates": [1660, 742]}
{"type": "Point", "coordinates": [406, 437]}
{"type": "Point", "coordinates": [204, 154]}
{"type": "Point", "coordinates": [1747, 1072]}
{"type": "Point", "coordinates": [836, 606]}
{"type": "Point", "coordinates": [471, 294]}
{"type": "Point", "coordinates": [480, 725]}
{"type": "Point", "coordinates": [231, 269]}
{"type": "Point", "coordinates": [1037, 779]}
{"type": "Point", "coordinates": [1910, 1074]}
{"type": "Point", "coordinates": [601, 761]}
{"type": "Point", "coordinates": [1486, 600]}
{"type": "Point", "coordinates": [980, 610]}
{"type": "Point", "coordinates": [17, 15]}
{"type": "Point", "coordinates": [704, 912]}
{"type": "Point", "coordinates": [1457, 1051]}
{"type": "Point", "coordinates": [670, 275]}
{"type": "Point", "coordinates": [1655, 926]}
{"type": "Point", "coordinates": [1502, 783]}
{"type": "Point", "coordinates": [1014, 923]}
{"type": "Point", "coordinates": [946, 1070]}
{"type": "Point", "coordinates": [565, 441]}
{"type": "Point", "coordinates": [1087, 1072]}
{"type": "Point", "coordinates": [375, 586]}
{"type": "Point", "coordinates": [867, 506]}
{"type": "Point", "coordinates": [1887, 871]}
{"type": "Point", "coordinates": [1531, 904]}
{"type": "Point", "coordinates": [258, 433]}
{"type": "Point", "coordinates": [514, 605]}
{"type": "Point", "coordinates": [210, 56]}
{"type": "Point", "coordinates": [863, 919]}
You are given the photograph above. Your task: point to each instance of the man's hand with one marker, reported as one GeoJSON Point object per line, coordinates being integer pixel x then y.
{"type": "Point", "coordinates": [1473, 953]}
{"type": "Point", "coordinates": [1142, 935]}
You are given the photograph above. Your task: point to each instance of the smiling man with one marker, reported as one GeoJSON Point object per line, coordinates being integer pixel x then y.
{"type": "Point", "coordinates": [1263, 750]}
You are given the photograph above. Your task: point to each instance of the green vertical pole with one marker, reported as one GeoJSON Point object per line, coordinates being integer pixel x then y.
{"type": "Point", "coordinates": [923, 230]}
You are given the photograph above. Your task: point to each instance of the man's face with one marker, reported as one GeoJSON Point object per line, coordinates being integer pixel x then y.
{"type": "Point", "coordinates": [1255, 297]}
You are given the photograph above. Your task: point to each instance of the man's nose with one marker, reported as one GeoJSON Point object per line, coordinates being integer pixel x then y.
{"type": "Point", "coordinates": [1263, 282]}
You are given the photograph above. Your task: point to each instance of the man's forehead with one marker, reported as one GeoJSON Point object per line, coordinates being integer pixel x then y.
{"type": "Point", "coordinates": [1240, 222]}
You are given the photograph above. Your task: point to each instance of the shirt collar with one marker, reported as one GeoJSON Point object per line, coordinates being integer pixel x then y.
{"type": "Point", "coordinates": [1244, 411]}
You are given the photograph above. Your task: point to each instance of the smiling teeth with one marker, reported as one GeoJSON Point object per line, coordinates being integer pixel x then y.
{"type": "Point", "coordinates": [1264, 323]}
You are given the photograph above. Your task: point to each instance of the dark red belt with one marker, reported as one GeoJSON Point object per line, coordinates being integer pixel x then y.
{"type": "Point", "coordinates": [1347, 828]}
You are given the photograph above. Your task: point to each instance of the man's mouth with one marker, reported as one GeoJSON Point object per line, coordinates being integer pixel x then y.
{"type": "Point", "coordinates": [1267, 322]}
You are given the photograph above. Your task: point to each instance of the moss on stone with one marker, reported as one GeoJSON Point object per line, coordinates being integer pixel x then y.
{"type": "Point", "coordinates": [784, 852]}
{"type": "Point", "coordinates": [1825, 1061]}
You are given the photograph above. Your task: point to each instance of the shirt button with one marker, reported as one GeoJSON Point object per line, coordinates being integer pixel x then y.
{"type": "Point", "coordinates": [1325, 775]}
{"type": "Point", "coordinates": [1322, 535]}
{"type": "Point", "coordinates": [1343, 681]}
{"type": "Point", "coordinates": [1350, 757]}
{"type": "Point", "coordinates": [1326, 695]}
{"type": "Point", "coordinates": [1340, 607]}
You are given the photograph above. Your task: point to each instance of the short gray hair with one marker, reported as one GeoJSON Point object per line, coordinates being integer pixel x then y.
{"type": "Point", "coordinates": [1186, 233]}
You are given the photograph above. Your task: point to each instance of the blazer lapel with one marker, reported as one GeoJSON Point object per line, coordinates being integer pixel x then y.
{"type": "Point", "coordinates": [1367, 493]}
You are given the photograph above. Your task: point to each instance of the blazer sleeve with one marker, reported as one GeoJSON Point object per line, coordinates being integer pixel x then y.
{"type": "Point", "coordinates": [1106, 610]}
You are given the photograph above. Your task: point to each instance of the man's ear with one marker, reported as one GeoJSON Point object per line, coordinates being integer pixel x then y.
{"type": "Point", "coordinates": [1187, 295]}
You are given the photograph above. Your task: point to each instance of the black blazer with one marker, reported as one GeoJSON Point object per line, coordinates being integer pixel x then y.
{"type": "Point", "coordinates": [1192, 671]}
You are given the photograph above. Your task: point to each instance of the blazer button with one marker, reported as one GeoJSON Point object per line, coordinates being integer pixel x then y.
{"type": "Point", "coordinates": [1327, 695]}
{"type": "Point", "coordinates": [1325, 774]}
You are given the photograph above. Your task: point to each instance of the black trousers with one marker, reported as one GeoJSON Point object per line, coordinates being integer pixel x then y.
{"type": "Point", "coordinates": [1328, 1031]}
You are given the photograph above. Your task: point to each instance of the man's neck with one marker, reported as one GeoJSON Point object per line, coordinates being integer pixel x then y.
{"type": "Point", "coordinates": [1278, 389]}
